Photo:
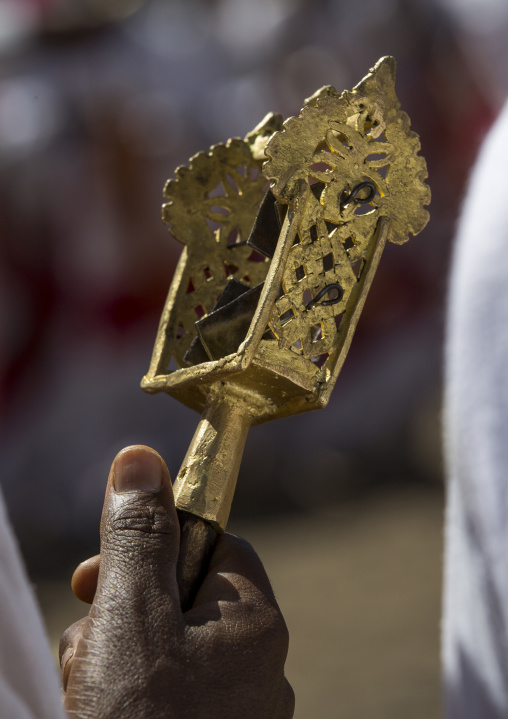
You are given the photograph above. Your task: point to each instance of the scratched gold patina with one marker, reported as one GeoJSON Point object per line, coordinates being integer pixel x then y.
{"type": "Point", "coordinates": [314, 162]}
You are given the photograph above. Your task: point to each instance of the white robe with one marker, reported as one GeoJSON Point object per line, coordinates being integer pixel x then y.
{"type": "Point", "coordinates": [475, 621]}
{"type": "Point", "coordinates": [29, 686]}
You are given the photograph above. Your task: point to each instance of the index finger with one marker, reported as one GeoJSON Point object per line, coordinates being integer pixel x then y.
{"type": "Point", "coordinates": [235, 575]}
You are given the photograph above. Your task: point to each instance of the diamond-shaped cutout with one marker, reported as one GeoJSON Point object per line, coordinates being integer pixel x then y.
{"type": "Point", "coordinates": [213, 226]}
{"type": "Point", "coordinates": [207, 273]}
{"type": "Point", "coordinates": [307, 297]}
{"type": "Point", "coordinates": [328, 262]}
{"type": "Point", "coordinates": [217, 191]}
{"type": "Point", "coordinates": [234, 237]}
{"type": "Point", "coordinates": [319, 360]}
{"type": "Point", "coordinates": [180, 332]}
{"type": "Point", "coordinates": [190, 287]}
{"type": "Point", "coordinates": [338, 319]}
{"type": "Point", "coordinates": [200, 311]}
{"type": "Point", "coordinates": [232, 182]}
{"type": "Point", "coordinates": [287, 316]}
{"type": "Point", "coordinates": [316, 332]}
{"type": "Point", "coordinates": [256, 256]}
{"type": "Point", "coordinates": [300, 273]}
{"type": "Point", "coordinates": [172, 365]}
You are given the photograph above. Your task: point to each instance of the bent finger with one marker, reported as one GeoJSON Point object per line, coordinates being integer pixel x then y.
{"type": "Point", "coordinates": [84, 579]}
{"type": "Point", "coordinates": [236, 599]}
{"type": "Point", "coordinates": [67, 648]}
{"type": "Point", "coordinates": [235, 574]}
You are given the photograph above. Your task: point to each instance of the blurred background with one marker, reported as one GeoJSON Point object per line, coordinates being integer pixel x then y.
{"type": "Point", "coordinates": [100, 100]}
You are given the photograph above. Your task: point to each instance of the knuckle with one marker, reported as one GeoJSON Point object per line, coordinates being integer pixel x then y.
{"type": "Point", "coordinates": [274, 621]}
{"type": "Point", "coordinates": [140, 514]}
{"type": "Point", "coordinates": [71, 636]}
{"type": "Point", "coordinates": [266, 626]}
{"type": "Point", "coordinates": [236, 546]}
{"type": "Point", "coordinates": [242, 544]}
{"type": "Point", "coordinates": [65, 643]}
{"type": "Point", "coordinates": [277, 632]}
{"type": "Point", "coordinates": [247, 553]}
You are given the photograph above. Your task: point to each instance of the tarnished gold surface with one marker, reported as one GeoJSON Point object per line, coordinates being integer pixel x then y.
{"type": "Point", "coordinates": [214, 453]}
{"type": "Point", "coordinates": [211, 207]}
{"type": "Point", "coordinates": [339, 141]}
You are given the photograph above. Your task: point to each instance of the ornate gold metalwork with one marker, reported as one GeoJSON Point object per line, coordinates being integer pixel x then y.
{"type": "Point", "coordinates": [340, 141]}
{"type": "Point", "coordinates": [348, 171]}
{"type": "Point", "coordinates": [211, 207]}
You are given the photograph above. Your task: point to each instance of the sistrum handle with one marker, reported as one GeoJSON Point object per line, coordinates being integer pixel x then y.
{"type": "Point", "coordinates": [205, 484]}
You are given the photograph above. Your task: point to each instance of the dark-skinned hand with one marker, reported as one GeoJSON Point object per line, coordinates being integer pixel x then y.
{"type": "Point", "coordinates": [136, 655]}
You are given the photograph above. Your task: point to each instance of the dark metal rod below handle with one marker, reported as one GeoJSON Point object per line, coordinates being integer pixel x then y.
{"type": "Point", "coordinates": [197, 539]}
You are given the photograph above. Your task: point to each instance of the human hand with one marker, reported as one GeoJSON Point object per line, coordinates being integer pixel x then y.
{"type": "Point", "coordinates": [136, 655]}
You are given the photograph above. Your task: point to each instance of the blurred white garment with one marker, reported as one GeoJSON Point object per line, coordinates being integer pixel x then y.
{"type": "Point", "coordinates": [29, 686]}
{"type": "Point", "coordinates": [475, 626]}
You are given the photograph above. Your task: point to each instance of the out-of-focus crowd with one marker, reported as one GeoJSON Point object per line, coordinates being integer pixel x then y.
{"type": "Point", "coordinates": [99, 102]}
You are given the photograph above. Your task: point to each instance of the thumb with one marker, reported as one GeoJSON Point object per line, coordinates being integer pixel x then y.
{"type": "Point", "coordinates": [140, 533]}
